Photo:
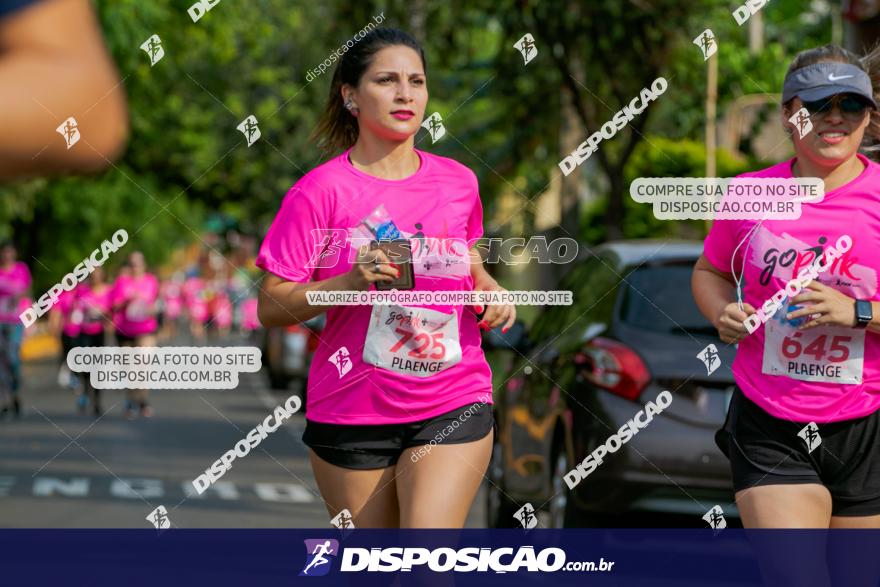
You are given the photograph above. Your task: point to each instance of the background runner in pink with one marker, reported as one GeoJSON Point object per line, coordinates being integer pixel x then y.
{"type": "Point", "coordinates": [778, 250]}
{"type": "Point", "coordinates": [441, 200]}
{"type": "Point", "coordinates": [14, 283]}
{"type": "Point", "coordinates": [138, 296]}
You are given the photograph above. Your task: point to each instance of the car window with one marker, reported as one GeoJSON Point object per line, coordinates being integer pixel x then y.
{"type": "Point", "coordinates": [593, 284]}
{"type": "Point", "coordinates": [659, 299]}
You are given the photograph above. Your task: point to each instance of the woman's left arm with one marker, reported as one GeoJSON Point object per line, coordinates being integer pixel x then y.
{"type": "Point", "coordinates": [834, 308]}
{"type": "Point", "coordinates": [496, 314]}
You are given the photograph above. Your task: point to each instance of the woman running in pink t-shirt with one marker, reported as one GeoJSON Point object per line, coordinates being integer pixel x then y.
{"type": "Point", "coordinates": [80, 317]}
{"type": "Point", "coordinates": [134, 300]}
{"type": "Point", "coordinates": [399, 415]}
{"type": "Point", "coordinates": [803, 427]}
{"type": "Point", "coordinates": [15, 281]}
{"type": "Point", "coordinates": [94, 300]}
{"type": "Point", "coordinates": [172, 304]}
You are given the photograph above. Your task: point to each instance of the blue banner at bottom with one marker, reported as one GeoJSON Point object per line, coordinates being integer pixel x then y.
{"type": "Point", "coordinates": [362, 557]}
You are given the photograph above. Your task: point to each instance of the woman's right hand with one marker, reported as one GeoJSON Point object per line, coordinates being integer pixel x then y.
{"type": "Point", "coordinates": [730, 324]}
{"type": "Point", "coordinates": [364, 271]}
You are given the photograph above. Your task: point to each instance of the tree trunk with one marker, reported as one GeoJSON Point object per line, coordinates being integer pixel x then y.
{"type": "Point", "coordinates": [614, 216]}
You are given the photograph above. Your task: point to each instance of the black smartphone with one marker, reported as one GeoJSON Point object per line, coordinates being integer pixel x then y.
{"type": "Point", "coordinates": [399, 252]}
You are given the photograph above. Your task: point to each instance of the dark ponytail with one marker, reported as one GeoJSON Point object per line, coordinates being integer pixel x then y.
{"type": "Point", "coordinates": [337, 129]}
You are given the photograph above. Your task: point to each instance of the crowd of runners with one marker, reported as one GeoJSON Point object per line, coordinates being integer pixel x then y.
{"type": "Point", "coordinates": [131, 306]}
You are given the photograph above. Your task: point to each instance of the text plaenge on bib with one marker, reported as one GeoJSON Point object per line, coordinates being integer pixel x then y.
{"type": "Point", "coordinates": [407, 363]}
{"type": "Point", "coordinates": [412, 341]}
{"type": "Point", "coordinates": [827, 373]}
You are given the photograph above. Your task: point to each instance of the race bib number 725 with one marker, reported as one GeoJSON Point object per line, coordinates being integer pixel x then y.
{"type": "Point", "coordinates": [412, 341]}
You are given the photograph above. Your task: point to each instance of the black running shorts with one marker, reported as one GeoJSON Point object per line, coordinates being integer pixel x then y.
{"type": "Point", "coordinates": [380, 446]}
{"type": "Point", "coordinates": [764, 450]}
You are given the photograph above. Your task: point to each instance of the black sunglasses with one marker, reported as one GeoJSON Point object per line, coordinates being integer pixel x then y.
{"type": "Point", "coordinates": [849, 104]}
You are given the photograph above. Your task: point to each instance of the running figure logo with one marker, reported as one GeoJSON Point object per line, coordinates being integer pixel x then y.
{"type": "Point", "coordinates": [328, 246]}
{"type": "Point", "coordinates": [434, 125]}
{"type": "Point", "coordinates": [706, 42]}
{"type": "Point", "coordinates": [317, 553]}
{"type": "Point", "coordinates": [810, 434]}
{"type": "Point", "coordinates": [526, 46]}
{"type": "Point", "coordinates": [153, 48]}
{"type": "Point", "coordinates": [70, 131]}
{"type": "Point", "coordinates": [526, 516]}
{"type": "Point", "coordinates": [801, 121]}
{"type": "Point", "coordinates": [343, 520]}
{"type": "Point", "coordinates": [159, 518]}
{"type": "Point", "coordinates": [342, 360]}
{"type": "Point", "coordinates": [715, 518]}
{"type": "Point", "coordinates": [710, 358]}
{"type": "Point", "coordinates": [249, 129]}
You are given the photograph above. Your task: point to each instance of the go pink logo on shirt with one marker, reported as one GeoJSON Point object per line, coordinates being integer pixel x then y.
{"type": "Point", "coordinates": [786, 256]}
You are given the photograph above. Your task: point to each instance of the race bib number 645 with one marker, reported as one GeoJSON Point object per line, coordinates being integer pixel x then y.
{"type": "Point", "coordinates": [833, 354]}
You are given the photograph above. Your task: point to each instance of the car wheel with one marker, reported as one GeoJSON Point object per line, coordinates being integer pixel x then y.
{"type": "Point", "coordinates": [499, 508]}
{"type": "Point", "coordinates": [563, 512]}
{"type": "Point", "coordinates": [559, 505]}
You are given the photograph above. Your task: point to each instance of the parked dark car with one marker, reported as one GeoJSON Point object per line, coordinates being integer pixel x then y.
{"type": "Point", "coordinates": [288, 350]}
{"type": "Point", "coordinates": [582, 371]}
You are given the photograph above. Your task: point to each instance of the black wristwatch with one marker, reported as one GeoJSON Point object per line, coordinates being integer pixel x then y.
{"type": "Point", "coordinates": [864, 313]}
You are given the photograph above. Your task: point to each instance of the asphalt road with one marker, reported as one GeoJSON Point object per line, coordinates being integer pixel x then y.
{"type": "Point", "coordinates": [59, 469]}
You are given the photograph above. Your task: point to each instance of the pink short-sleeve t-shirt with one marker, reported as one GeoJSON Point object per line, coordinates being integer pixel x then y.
{"type": "Point", "coordinates": [824, 374]}
{"type": "Point", "coordinates": [68, 307]}
{"type": "Point", "coordinates": [386, 364]}
{"type": "Point", "coordinates": [14, 282]}
{"type": "Point", "coordinates": [95, 306]}
{"type": "Point", "coordinates": [139, 294]}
